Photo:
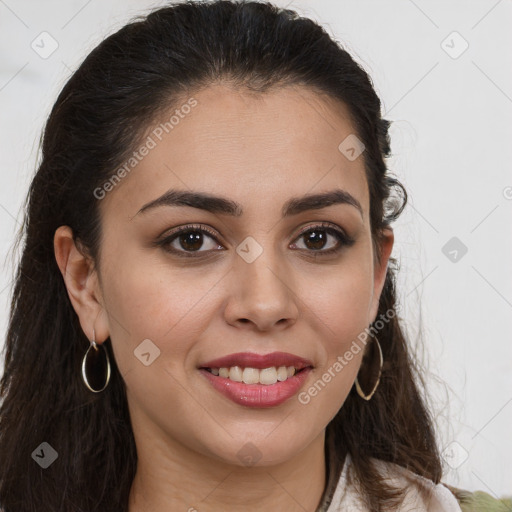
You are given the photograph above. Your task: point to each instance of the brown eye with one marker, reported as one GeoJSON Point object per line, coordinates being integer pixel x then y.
{"type": "Point", "coordinates": [189, 241]}
{"type": "Point", "coordinates": [317, 238]}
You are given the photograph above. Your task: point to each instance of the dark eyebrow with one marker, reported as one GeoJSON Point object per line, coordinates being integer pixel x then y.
{"type": "Point", "coordinates": [215, 204]}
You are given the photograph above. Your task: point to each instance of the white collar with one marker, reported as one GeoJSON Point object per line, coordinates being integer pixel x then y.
{"type": "Point", "coordinates": [347, 499]}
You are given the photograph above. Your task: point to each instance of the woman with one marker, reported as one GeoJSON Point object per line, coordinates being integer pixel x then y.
{"type": "Point", "coordinates": [204, 316]}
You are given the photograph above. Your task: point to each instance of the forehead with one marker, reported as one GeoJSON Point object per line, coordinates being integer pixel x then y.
{"type": "Point", "coordinates": [256, 148]}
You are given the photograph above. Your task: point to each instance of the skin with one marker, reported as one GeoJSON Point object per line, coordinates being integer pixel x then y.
{"type": "Point", "coordinates": [259, 150]}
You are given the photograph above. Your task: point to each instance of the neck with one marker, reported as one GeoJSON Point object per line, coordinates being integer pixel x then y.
{"type": "Point", "coordinates": [180, 479]}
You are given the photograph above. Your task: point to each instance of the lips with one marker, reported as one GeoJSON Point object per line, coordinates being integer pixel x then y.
{"type": "Point", "coordinates": [259, 361]}
{"type": "Point", "coordinates": [257, 395]}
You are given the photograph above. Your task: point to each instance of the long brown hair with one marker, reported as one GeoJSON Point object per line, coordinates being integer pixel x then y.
{"type": "Point", "coordinates": [97, 121]}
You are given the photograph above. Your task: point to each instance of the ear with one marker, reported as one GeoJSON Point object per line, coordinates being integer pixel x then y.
{"type": "Point", "coordinates": [82, 284]}
{"type": "Point", "coordinates": [380, 270]}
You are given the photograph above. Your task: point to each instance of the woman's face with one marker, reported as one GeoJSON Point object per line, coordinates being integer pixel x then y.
{"type": "Point", "coordinates": [250, 282]}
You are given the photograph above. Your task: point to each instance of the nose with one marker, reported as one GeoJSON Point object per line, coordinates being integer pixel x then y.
{"type": "Point", "coordinates": [262, 294]}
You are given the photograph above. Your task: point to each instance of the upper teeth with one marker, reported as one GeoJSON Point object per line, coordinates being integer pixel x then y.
{"type": "Point", "coordinates": [254, 375]}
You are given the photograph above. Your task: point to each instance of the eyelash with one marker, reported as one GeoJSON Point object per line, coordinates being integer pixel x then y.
{"type": "Point", "coordinates": [343, 239]}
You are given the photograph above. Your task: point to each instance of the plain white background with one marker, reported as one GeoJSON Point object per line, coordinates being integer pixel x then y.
{"type": "Point", "coordinates": [444, 73]}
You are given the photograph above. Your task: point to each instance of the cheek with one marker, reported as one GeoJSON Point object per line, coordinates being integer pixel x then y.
{"type": "Point", "coordinates": [152, 302]}
{"type": "Point", "coordinates": [148, 300]}
{"type": "Point", "coordinates": [340, 311]}
{"type": "Point", "coordinates": [341, 298]}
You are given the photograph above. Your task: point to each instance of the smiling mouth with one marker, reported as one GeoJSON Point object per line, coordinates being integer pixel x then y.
{"type": "Point", "coordinates": [248, 375]}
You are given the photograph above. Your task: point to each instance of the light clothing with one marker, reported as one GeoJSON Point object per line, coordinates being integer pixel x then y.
{"type": "Point", "coordinates": [347, 499]}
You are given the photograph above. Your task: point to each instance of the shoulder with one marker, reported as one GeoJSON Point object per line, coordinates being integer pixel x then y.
{"type": "Point", "coordinates": [420, 494]}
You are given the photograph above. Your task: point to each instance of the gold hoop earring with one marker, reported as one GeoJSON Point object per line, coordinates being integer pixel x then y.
{"type": "Point", "coordinates": [360, 392]}
{"type": "Point", "coordinates": [90, 365]}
